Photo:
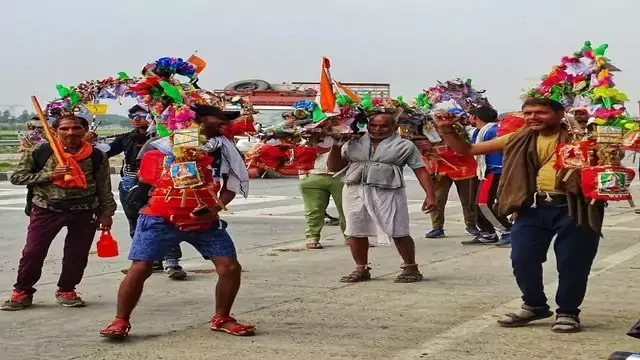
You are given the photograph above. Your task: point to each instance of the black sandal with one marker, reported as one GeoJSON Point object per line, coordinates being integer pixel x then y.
{"type": "Point", "coordinates": [357, 275]}
{"type": "Point", "coordinates": [409, 274]}
{"type": "Point", "coordinates": [525, 316]}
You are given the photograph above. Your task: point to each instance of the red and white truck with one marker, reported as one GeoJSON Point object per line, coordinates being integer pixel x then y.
{"type": "Point", "coordinates": [271, 100]}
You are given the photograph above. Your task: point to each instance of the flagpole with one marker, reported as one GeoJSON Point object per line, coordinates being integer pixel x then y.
{"type": "Point", "coordinates": [47, 132]}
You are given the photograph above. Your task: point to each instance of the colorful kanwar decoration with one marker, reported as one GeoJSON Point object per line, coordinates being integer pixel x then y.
{"type": "Point", "coordinates": [583, 81]}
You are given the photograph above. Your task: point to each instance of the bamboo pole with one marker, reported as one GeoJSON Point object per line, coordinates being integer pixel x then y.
{"type": "Point", "coordinates": [47, 132]}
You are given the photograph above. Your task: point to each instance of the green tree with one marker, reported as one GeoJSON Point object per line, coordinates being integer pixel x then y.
{"type": "Point", "coordinates": [5, 116]}
{"type": "Point", "coordinates": [24, 117]}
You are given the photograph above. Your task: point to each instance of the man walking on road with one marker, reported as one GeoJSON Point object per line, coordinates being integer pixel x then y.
{"type": "Point", "coordinates": [317, 189]}
{"type": "Point", "coordinates": [81, 205]}
{"type": "Point", "coordinates": [449, 169]}
{"type": "Point", "coordinates": [374, 195]}
{"type": "Point", "coordinates": [489, 170]}
{"type": "Point", "coordinates": [130, 144]}
{"type": "Point", "coordinates": [548, 203]}
{"type": "Point", "coordinates": [166, 221]}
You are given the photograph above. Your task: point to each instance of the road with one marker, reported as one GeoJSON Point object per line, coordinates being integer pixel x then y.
{"type": "Point", "coordinates": [302, 311]}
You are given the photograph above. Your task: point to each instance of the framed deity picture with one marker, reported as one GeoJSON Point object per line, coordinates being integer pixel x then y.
{"type": "Point", "coordinates": [185, 174]}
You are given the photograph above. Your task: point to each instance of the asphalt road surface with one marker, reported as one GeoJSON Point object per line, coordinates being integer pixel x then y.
{"type": "Point", "coordinates": [303, 312]}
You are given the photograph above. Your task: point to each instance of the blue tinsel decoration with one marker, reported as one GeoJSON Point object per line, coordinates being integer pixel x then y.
{"type": "Point", "coordinates": [307, 105]}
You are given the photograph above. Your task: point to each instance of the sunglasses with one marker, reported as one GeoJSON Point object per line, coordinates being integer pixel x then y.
{"type": "Point", "coordinates": [137, 116]}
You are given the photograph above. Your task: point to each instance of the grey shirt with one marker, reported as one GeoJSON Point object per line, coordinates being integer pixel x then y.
{"type": "Point", "coordinates": [380, 167]}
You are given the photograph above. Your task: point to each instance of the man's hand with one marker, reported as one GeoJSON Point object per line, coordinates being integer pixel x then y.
{"type": "Point", "coordinates": [429, 204]}
{"type": "Point", "coordinates": [424, 146]}
{"type": "Point", "coordinates": [209, 214]}
{"type": "Point", "coordinates": [105, 222]}
{"type": "Point", "coordinates": [195, 221]}
{"type": "Point", "coordinates": [60, 171]}
{"type": "Point", "coordinates": [445, 121]}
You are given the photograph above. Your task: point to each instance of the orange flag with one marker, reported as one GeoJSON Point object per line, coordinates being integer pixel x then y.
{"type": "Point", "coordinates": [199, 63]}
{"type": "Point", "coordinates": [327, 97]}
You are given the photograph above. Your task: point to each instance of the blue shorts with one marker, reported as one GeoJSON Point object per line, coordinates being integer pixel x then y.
{"type": "Point", "coordinates": [154, 236]}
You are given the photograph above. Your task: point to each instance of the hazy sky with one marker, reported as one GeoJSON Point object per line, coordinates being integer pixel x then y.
{"type": "Point", "coordinates": [503, 45]}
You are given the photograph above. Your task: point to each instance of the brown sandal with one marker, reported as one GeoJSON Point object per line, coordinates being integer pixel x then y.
{"type": "Point", "coordinates": [566, 324]}
{"type": "Point", "coordinates": [526, 315]}
{"type": "Point", "coordinates": [409, 274]}
{"type": "Point", "coordinates": [357, 275]}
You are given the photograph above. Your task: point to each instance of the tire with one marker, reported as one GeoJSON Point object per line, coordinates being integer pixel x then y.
{"type": "Point", "coordinates": [248, 85]}
{"type": "Point", "coordinates": [270, 174]}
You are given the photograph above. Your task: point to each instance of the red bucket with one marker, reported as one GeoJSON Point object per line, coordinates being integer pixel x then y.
{"type": "Point", "coordinates": [107, 246]}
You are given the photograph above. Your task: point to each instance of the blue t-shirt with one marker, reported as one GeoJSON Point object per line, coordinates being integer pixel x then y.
{"type": "Point", "coordinates": [494, 159]}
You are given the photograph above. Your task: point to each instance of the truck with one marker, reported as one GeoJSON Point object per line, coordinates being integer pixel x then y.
{"type": "Point", "coordinates": [271, 100]}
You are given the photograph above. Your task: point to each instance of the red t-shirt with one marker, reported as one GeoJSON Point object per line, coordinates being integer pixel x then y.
{"type": "Point", "coordinates": [173, 204]}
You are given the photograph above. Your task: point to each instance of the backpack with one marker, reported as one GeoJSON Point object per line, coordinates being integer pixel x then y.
{"type": "Point", "coordinates": [42, 154]}
{"type": "Point", "coordinates": [137, 197]}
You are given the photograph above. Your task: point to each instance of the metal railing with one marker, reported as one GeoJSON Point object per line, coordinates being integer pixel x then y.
{"type": "Point", "coordinates": [16, 142]}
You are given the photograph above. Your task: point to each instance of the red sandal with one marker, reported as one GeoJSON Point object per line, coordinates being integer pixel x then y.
{"type": "Point", "coordinates": [118, 329]}
{"type": "Point", "coordinates": [239, 330]}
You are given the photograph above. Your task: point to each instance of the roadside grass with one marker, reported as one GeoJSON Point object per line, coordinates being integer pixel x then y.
{"type": "Point", "coordinates": [6, 166]}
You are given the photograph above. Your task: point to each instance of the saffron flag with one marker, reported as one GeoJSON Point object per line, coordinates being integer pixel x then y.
{"type": "Point", "coordinates": [198, 62]}
{"type": "Point", "coordinates": [327, 96]}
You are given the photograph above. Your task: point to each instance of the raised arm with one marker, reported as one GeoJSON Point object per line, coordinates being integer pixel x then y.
{"type": "Point", "coordinates": [444, 123]}
{"type": "Point", "coordinates": [116, 147]}
{"type": "Point", "coordinates": [335, 161]}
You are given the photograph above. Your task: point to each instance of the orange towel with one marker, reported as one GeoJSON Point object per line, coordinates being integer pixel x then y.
{"type": "Point", "coordinates": [78, 180]}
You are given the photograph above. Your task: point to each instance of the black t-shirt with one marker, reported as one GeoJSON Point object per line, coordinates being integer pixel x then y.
{"type": "Point", "coordinates": [129, 143]}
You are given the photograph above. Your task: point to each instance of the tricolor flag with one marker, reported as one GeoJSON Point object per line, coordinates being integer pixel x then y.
{"type": "Point", "coordinates": [348, 92]}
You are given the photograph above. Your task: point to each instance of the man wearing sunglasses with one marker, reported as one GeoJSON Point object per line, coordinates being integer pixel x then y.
{"type": "Point", "coordinates": [130, 144]}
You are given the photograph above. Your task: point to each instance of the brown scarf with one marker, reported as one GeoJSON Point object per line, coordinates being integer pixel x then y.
{"type": "Point", "coordinates": [518, 181]}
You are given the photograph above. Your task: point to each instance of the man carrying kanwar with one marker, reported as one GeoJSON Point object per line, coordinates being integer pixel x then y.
{"type": "Point", "coordinates": [171, 218]}
{"type": "Point", "coordinates": [82, 205]}
{"type": "Point", "coordinates": [374, 194]}
{"type": "Point", "coordinates": [548, 203]}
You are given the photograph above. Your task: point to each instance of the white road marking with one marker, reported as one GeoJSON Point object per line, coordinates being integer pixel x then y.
{"type": "Point", "coordinates": [619, 219]}
{"type": "Point", "coordinates": [477, 325]}
{"type": "Point", "coordinates": [8, 192]}
{"type": "Point", "coordinates": [239, 200]}
{"type": "Point", "coordinates": [269, 212]}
